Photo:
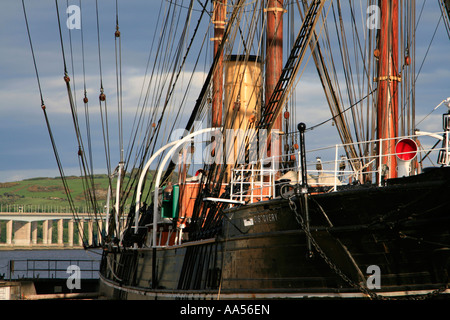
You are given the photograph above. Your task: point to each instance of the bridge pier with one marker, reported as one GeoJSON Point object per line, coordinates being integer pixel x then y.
{"type": "Point", "coordinates": [45, 232]}
{"type": "Point", "coordinates": [22, 232]}
{"type": "Point", "coordinates": [70, 231]}
{"type": "Point", "coordinates": [90, 232]}
{"type": "Point", "coordinates": [80, 231]}
{"type": "Point", "coordinates": [50, 232]}
{"type": "Point", "coordinates": [24, 229]}
{"type": "Point", "coordinates": [34, 232]}
{"type": "Point", "coordinates": [60, 232]}
{"type": "Point", "coordinates": [9, 226]}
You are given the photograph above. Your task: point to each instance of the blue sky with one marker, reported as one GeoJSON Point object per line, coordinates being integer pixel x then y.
{"type": "Point", "coordinates": [25, 145]}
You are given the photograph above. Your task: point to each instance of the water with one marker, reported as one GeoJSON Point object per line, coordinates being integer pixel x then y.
{"type": "Point", "coordinates": [59, 261]}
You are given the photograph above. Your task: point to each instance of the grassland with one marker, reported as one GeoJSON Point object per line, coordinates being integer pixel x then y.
{"type": "Point", "coordinates": [48, 194]}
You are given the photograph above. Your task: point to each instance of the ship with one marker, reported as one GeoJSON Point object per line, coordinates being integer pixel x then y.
{"type": "Point", "coordinates": [262, 217]}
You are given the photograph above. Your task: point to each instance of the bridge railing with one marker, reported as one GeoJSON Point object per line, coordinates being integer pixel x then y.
{"type": "Point", "coordinates": [31, 208]}
{"type": "Point", "coordinates": [17, 208]}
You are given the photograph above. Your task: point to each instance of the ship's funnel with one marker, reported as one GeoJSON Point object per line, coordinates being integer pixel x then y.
{"type": "Point", "coordinates": [406, 151]}
{"type": "Point", "coordinates": [243, 85]}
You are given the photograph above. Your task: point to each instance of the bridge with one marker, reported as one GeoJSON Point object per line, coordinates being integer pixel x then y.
{"type": "Point", "coordinates": [35, 229]}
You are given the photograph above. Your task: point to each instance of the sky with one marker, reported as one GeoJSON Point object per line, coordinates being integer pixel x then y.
{"type": "Point", "coordinates": [25, 146]}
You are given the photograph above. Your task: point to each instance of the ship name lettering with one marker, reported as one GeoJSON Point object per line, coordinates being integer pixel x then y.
{"type": "Point", "coordinates": [265, 218]}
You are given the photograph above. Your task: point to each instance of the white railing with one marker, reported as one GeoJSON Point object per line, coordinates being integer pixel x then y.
{"type": "Point", "coordinates": [255, 180]}
{"type": "Point", "coordinates": [262, 180]}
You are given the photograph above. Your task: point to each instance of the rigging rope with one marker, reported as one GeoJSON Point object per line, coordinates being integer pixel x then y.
{"type": "Point", "coordinates": [81, 153]}
{"type": "Point", "coordinates": [118, 55]}
{"type": "Point", "coordinates": [153, 135]}
{"type": "Point", "coordinates": [102, 98]}
{"type": "Point", "coordinates": [50, 132]}
{"type": "Point", "coordinates": [229, 35]}
{"type": "Point", "coordinates": [445, 11]}
{"type": "Point", "coordinates": [90, 195]}
{"type": "Point", "coordinates": [342, 112]}
{"type": "Point", "coordinates": [173, 64]}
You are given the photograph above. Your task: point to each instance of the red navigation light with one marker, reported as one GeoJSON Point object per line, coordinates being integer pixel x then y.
{"type": "Point", "coordinates": [406, 149]}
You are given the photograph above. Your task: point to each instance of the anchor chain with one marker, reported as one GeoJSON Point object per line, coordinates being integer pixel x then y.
{"type": "Point", "coordinates": [342, 275]}
{"type": "Point", "coordinates": [301, 192]}
{"type": "Point", "coordinates": [322, 254]}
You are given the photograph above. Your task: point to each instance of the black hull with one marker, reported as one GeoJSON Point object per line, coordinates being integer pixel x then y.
{"type": "Point", "coordinates": [262, 251]}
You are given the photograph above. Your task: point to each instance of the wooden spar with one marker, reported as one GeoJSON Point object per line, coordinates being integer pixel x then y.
{"type": "Point", "coordinates": [219, 15]}
{"type": "Point", "coordinates": [388, 78]}
{"type": "Point", "coordinates": [274, 60]}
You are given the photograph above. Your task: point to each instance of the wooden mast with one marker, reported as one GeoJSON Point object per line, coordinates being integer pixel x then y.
{"type": "Point", "coordinates": [274, 61]}
{"type": "Point", "coordinates": [219, 15]}
{"type": "Point", "coordinates": [218, 19]}
{"type": "Point", "coordinates": [388, 78]}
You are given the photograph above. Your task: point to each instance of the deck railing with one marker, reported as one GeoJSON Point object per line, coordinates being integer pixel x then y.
{"type": "Point", "coordinates": [262, 180]}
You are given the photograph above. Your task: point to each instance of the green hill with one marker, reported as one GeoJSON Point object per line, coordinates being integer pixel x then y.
{"type": "Point", "coordinates": [48, 195]}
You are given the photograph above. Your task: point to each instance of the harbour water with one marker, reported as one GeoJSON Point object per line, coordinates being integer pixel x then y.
{"type": "Point", "coordinates": [49, 263]}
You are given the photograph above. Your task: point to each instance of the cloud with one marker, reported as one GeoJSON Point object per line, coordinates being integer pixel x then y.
{"type": "Point", "coordinates": [17, 175]}
{"type": "Point", "coordinates": [26, 148]}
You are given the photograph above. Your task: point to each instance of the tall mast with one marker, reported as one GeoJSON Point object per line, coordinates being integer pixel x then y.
{"type": "Point", "coordinates": [274, 56]}
{"type": "Point", "coordinates": [219, 15]}
{"type": "Point", "coordinates": [388, 78]}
